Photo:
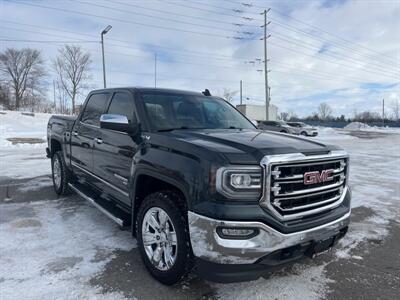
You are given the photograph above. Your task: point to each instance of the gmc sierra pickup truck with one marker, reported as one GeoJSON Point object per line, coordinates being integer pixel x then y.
{"type": "Point", "coordinates": [198, 184]}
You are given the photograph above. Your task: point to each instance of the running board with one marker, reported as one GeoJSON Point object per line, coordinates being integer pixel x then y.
{"type": "Point", "coordinates": [114, 213]}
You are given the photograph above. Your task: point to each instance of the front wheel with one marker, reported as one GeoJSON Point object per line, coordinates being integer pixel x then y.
{"type": "Point", "coordinates": [163, 237]}
{"type": "Point", "coordinates": [303, 133]}
{"type": "Point", "coordinates": [60, 174]}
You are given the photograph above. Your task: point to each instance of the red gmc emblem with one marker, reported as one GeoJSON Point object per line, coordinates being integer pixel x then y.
{"type": "Point", "coordinates": [317, 177]}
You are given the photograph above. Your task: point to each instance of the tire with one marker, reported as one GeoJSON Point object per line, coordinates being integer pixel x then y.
{"type": "Point", "coordinates": [60, 174]}
{"type": "Point", "coordinates": [284, 131]}
{"type": "Point", "coordinates": [154, 204]}
{"type": "Point", "coordinates": [303, 133]}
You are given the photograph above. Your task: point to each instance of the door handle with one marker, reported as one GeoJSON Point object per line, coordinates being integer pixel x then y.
{"type": "Point", "coordinates": [98, 140]}
{"type": "Point", "coordinates": [75, 133]}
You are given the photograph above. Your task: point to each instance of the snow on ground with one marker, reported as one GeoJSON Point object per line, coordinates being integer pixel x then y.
{"type": "Point", "coordinates": [45, 254]}
{"type": "Point", "coordinates": [53, 250]}
{"type": "Point", "coordinates": [23, 160]}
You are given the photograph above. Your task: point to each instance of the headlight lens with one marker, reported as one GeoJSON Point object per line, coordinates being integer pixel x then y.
{"type": "Point", "coordinates": [240, 182]}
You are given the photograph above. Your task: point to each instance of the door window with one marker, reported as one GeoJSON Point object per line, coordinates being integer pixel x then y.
{"type": "Point", "coordinates": [122, 104]}
{"type": "Point", "coordinates": [94, 108]}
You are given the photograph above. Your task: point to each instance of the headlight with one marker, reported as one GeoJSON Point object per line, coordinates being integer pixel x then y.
{"type": "Point", "coordinates": [239, 182]}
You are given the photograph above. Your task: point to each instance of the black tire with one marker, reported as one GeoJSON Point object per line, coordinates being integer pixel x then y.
{"type": "Point", "coordinates": [171, 203]}
{"type": "Point", "coordinates": [303, 133]}
{"type": "Point", "coordinates": [61, 187]}
{"type": "Point", "coordinates": [284, 131]}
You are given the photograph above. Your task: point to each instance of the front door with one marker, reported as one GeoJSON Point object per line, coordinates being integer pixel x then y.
{"type": "Point", "coordinates": [84, 133]}
{"type": "Point", "coordinates": [113, 156]}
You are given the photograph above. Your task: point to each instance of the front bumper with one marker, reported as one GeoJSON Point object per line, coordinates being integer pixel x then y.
{"type": "Point", "coordinates": [209, 246]}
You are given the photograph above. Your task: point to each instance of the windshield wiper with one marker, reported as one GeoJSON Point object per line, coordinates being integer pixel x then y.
{"type": "Point", "coordinates": [178, 128]}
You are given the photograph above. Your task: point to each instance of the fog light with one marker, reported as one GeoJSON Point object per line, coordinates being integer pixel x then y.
{"type": "Point", "coordinates": [237, 233]}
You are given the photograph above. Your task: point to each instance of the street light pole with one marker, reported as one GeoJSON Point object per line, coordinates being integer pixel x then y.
{"type": "Point", "coordinates": [266, 36]}
{"type": "Point", "coordinates": [107, 29]}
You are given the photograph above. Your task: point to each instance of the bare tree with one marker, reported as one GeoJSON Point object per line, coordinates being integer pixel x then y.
{"type": "Point", "coordinates": [284, 116]}
{"type": "Point", "coordinates": [324, 111]}
{"type": "Point", "coordinates": [395, 105]}
{"type": "Point", "coordinates": [228, 94]}
{"type": "Point", "coordinates": [24, 70]}
{"type": "Point", "coordinates": [72, 66]}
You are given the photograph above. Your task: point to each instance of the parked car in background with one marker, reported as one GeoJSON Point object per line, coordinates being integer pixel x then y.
{"type": "Point", "coordinates": [303, 128]}
{"type": "Point", "coordinates": [279, 126]}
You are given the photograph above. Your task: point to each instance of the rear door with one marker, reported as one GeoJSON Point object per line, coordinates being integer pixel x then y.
{"type": "Point", "coordinates": [113, 157]}
{"type": "Point", "coordinates": [85, 131]}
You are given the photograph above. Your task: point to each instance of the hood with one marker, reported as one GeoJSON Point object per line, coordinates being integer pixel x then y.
{"type": "Point", "coordinates": [249, 146]}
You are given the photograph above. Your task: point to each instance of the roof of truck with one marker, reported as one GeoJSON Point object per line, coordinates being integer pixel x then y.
{"type": "Point", "coordinates": [152, 89]}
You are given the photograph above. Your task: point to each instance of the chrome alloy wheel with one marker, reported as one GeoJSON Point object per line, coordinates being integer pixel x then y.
{"type": "Point", "coordinates": [159, 238]}
{"type": "Point", "coordinates": [57, 172]}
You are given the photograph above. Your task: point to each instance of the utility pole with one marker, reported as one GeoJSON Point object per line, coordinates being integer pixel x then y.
{"type": "Point", "coordinates": [266, 63]}
{"type": "Point", "coordinates": [107, 29]}
{"type": "Point", "coordinates": [383, 112]}
{"type": "Point", "coordinates": [241, 92]}
{"type": "Point", "coordinates": [155, 70]}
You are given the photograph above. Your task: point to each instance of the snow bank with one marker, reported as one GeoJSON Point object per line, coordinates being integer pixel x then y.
{"type": "Point", "coordinates": [356, 126]}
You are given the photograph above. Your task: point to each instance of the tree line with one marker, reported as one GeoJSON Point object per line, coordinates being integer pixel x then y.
{"type": "Point", "coordinates": [324, 113]}
{"type": "Point", "coordinates": [24, 79]}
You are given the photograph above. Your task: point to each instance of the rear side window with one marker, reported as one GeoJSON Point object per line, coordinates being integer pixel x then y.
{"type": "Point", "coordinates": [94, 108]}
{"type": "Point", "coordinates": [122, 104]}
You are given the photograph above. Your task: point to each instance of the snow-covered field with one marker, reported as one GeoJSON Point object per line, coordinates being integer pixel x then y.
{"type": "Point", "coordinates": [51, 249]}
{"type": "Point", "coordinates": [23, 160]}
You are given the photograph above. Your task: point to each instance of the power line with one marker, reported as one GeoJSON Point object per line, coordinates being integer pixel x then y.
{"type": "Point", "coordinates": [44, 41]}
{"type": "Point", "coordinates": [322, 59]}
{"type": "Point", "coordinates": [130, 22]}
{"type": "Point", "coordinates": [159, 18]}
{"type": "Point", "coordinates": [331, 76]}
{"type": "Point", "coordinates": [207, 54]}
{"type": "Point", "coordinates": [333, 55]}
{"type": "Point", "coordinates": [280, 12]}
{"type": "Point", "coordinates": [181, 15]}
{"type": "Point", "coordinates": [292, 28]}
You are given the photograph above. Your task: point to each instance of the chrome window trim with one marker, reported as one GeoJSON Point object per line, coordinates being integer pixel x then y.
{"type": "Point", "coordinates": [269, 160]}
{"type": "Point", "coordinates": [100, 179]}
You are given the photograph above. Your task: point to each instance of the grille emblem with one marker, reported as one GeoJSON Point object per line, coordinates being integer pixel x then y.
{"type": "Point", "coordinates": [318, 177]}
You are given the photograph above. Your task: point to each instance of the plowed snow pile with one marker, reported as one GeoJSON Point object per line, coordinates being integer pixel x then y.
{"type": "Point", "coordinates": [356, 126]}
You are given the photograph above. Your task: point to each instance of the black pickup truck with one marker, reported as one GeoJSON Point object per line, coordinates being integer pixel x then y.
{"type": "Point", "coordinates": [198, 184]}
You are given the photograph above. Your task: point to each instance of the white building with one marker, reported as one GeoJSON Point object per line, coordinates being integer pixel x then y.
{"type": "Point", "coordinates": [257, 112]}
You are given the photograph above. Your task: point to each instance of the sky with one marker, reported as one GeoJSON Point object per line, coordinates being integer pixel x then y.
{"type": "Point", "coordinates": [342, 52]}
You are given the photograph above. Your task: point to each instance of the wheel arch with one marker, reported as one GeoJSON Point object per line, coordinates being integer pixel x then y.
{"type": "Point", "coordinates": [147, 182]}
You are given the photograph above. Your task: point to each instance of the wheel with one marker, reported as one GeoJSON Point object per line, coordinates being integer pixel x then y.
{"type": "Point", "coordinates": [303, 133]}
{"type": "Point", "coordinates": [60, 174]}
{"type": "Point", "coordinates": [284, 131]}
{"type": "Point", "coordinates": [163, 237]}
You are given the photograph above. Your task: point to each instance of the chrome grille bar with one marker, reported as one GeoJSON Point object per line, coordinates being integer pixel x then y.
{"type": "Point", "coordinates": [303, 200]}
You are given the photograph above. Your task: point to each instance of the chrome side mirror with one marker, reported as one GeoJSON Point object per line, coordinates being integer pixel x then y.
{"type": "Point", "coordinates": [117, 123]}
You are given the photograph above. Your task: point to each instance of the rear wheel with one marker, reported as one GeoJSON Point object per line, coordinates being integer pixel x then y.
{"type": "Point", "coordinates": [59, 174]}
{"type": "Point", "coordinates": [284, 131]}
{"type": "Point", "coordinates": [163, 237]}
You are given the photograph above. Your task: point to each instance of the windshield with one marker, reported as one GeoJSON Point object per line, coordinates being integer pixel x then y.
{"type": "Point", "coordinates": [178, 111]}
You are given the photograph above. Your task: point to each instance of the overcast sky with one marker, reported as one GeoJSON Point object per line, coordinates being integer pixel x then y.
{"type": "Point", "coordinates": [345, 53]}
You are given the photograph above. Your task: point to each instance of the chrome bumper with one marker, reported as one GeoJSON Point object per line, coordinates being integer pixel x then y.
{"type": "Point", "coordinates": [208, 245]}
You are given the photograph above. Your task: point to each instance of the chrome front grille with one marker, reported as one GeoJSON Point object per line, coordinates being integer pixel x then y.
{"type": "Point", "coordinates": [289, 195]}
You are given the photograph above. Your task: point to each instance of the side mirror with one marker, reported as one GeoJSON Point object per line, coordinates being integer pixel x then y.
{"type": "Point", "coordinates": [117, 123]}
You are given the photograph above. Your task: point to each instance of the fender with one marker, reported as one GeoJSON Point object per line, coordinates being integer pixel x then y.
{"type": "Point", "coordinates": [139, 170]}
